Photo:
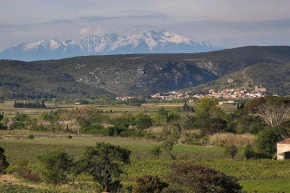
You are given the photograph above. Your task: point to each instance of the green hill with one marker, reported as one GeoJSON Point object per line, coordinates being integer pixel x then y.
{"type": "Point", "coordinates": [143, 74]}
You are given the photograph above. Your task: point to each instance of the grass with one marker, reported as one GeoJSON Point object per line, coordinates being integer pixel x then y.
{"type": "Point", "coordinates": [10, 111]}
{"type": "Point", "coordinates": [266, 186]}
{"type": "Point", "coordinates": [252, 173]}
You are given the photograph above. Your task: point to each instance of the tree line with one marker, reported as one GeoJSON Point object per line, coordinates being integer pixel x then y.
{"type": "Point", "coordinates": [34, 105]}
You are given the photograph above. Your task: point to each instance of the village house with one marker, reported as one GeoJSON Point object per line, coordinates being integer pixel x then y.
{"type": "Point", "coordinates": [260, 89]}
{"type": "Point", "coordinates": [283, 149]}
{"type": "Point", "coordinates": [230, 80]}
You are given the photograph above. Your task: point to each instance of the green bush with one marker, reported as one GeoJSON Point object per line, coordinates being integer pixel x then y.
{"type": "Point", "coordinates": [149, 184]}
{"type": "Point", "coordinates": [190, 177]}
{"type": "Point", "coordinates": [55, 166]}
{"type": "Point", "coordinates": [267, 140]}
{"type": "Point", "coordinates": [30, 136]}
{"type": "Point", "coordinates": [249, 152]}
{"type": "Point", "coordinates": [231, 151]}
{"type": "Point", "coordinates": [3, 161]}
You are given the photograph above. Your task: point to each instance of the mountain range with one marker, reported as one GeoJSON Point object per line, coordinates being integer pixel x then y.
{"type": "Point", "coordinates": [145, 74]}
{"type": "Point", "coordinates": [149, 42]}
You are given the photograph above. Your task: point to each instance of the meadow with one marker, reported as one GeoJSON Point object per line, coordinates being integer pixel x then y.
{"type": "Point", "coordinates": [260, 175]}
{"type": "Point", "coordinates": [7, 108]}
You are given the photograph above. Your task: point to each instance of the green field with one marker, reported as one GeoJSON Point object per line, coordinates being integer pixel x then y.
{"type": "Point", "coordinates": [266, 186]}
{"type": "Point", "coordinates": [9, 110]}
{"type": "Point", "coordinates": [261, 175]}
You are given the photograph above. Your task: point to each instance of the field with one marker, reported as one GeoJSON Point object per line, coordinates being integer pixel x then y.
{"type": "Point", "coordinates": [260, 175]}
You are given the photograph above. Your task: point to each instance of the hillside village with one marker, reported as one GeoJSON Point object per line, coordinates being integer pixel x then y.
{"type": "Point", "coordinates": [259, 91]}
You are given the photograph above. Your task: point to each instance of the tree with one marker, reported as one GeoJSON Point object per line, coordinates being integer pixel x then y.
{"type": "Point", "coordinates": [1, 99]}
{"type": "Point", "coordinates": [1, 116]}
{"type": "Point", "coordinates": [3, 161]}
{"type": "Point", "coordinates": [160, 117]}
{"type": "Point", "coordinates": [274, 110]}
{"type": "Point", "coordinates": [105, 163]}
{"type": "Point", "coordinates": [55, 166]}
{"type": "Point", "coordinates": [215, 125]}
{"type": "Point", "coordinates": [207, 107]}
{"type": "Point", "coordinates": [143, 121]}
{"type": "Point", "coordinates": [267, 140]}
{"type": "Point", "coordinates": [249, 153]}
{"type": "Point", "coordinates": [190, 177]}
{"type": "Point", "coordinates": [231, 151]}
{"type": "Point", "coordinates": [187, 108]}
{"type": "Point", "coordinates": [149, 184]}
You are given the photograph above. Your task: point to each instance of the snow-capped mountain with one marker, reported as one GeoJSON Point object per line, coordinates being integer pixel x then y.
{"type": "Point", "coordinates": [149, 42]}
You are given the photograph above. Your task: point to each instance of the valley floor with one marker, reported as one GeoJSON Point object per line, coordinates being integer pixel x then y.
{"type": "Point", "coordinates": [254, 175]}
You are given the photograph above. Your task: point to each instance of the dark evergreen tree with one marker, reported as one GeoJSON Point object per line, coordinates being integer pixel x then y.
{"type": "Point", "coordinates": [1, 99]}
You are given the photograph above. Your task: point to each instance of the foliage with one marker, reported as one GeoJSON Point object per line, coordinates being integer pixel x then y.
{"type": "Point", "coordinates": [266, 141]}
{"type": "Point", "coordinates": [143, 121]}
{"type": "Point", "coordinates": [3, 161]}
{"type": "Point", "coordinates": [30, 136]}
{"type": "Point", "coordinates": [215, 125]}
{"type": "Point", "coordinates": [168, 147]}
{"type": "Point", "coordinates": [1, 99]}
{"type": "Point", "coordinates": [35, 105]}
{"type": "Point", "coordinates": [9, 188]}
{"type": "Point", "coordinates": [149, 184]}
{"type": "Point", "coordinates": [55, 166]}
{"type": "Point", "coordinates": [190, 177]}
{"type": "Point", "coordinates": [249, 152]}
{"type": "Point", "coordinates": [206, 107]}
{"type": "Point", "coordinates": [104, 162]}
{"type": "Point", "coordinates": [156, 151]}
{"type": "Point", "coordinates": [231, 151]}
{"type": "Point", "coordinates": [274, 110]}
{"type": "Point", "coordinates": [187, 108]}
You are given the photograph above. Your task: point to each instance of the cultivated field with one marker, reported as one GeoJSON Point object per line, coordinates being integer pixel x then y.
{"type": "Point", "coordinates": [260, 175]}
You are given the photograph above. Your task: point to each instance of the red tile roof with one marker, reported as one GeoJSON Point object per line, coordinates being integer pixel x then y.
{"type": "Point", "coordinates": [285, 141]}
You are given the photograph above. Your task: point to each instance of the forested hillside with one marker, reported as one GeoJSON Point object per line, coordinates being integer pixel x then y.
{"type": "Point", "coordinates": [139, 74]}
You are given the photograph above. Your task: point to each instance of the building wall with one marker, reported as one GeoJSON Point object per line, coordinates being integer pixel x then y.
{"type": "Point", "coordinates": [281, 148]}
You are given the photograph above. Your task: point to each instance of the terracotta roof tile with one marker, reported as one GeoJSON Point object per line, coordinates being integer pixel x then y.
{"type": "Point", "coordinates": [285, 141]}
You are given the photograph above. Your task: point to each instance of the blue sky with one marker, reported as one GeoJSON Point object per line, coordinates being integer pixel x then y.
{"type": "Point", "coordinates": [223, 23]}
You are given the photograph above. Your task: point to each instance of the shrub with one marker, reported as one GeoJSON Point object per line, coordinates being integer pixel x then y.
{"type": "Point", "coordinates": [190, 177]}
{"type": "Point", "coordinates": [28, 174]}
{"type": "Point", "coordinates": [149, 184]}
{"type": "Point", "coordinates": [266, 141]}
{"type": "Point", "coordinates": [231, 151]}
{"type": "Point", "coordinates": [143, 121]}
{"type": "Point", "coordinates": [55, 166]}
{"type": "Point", "coordinates": [16, 166]}
{"type": "Point", "coordinates": [249, 152]}
{"type": "Point", "coordinates": [3, 161]}
{"type": "Point", "coordinates": [30, 137]}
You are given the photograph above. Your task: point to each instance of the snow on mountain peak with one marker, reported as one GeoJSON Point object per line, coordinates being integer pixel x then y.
{"type": "Point", "coordinates": [148, 42]}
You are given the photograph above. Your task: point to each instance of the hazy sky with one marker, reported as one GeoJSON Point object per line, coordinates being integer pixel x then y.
{"type": "Point", "coordinates": [223, 23]}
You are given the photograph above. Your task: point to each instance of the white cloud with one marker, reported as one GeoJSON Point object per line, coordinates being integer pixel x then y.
{"type": "Point", "coordinates": [88, 31]}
